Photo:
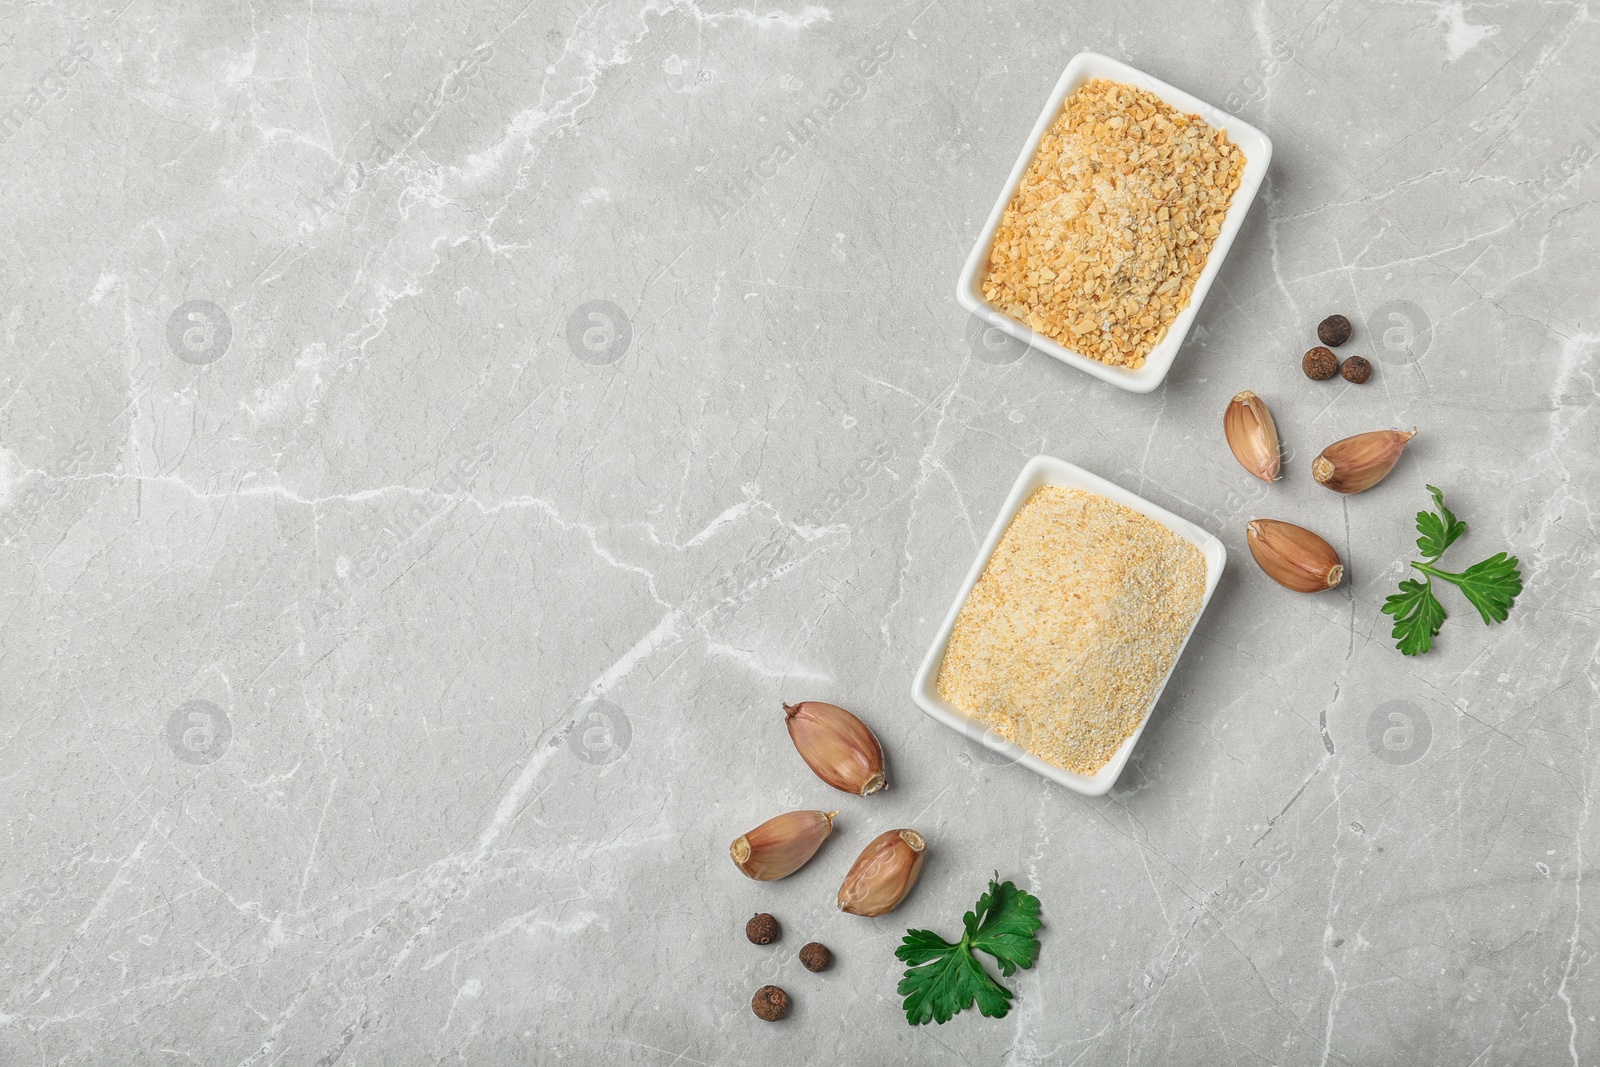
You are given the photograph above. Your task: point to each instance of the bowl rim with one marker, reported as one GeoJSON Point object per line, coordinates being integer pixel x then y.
{"type": "Point", "coordinates": [1039, 471]}
{"type": "Point", "coordinates": [1257, 147]}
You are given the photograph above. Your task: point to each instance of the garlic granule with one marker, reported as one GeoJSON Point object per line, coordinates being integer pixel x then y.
{"type": "Point", "coordinates": [1110, 227]}
{"type": "Point", "coordinates": [1073, 626]}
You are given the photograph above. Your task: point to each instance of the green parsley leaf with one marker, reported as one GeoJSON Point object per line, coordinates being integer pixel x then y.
{"type": "Point", "coordinates": [1439, 531]}
{"type": "Point", "coordinates": [945, 978]}
{"type": "Point", "coordinates": [921, 946]}
{"type": "Point", "coordinates": [1417, 616]}
{"type": "Point", "coordinates": [1491, 585]}
{"type": "Point", "coordinates": [1008, 918]}
{"type": "Point", "coordinates": [948, 982]}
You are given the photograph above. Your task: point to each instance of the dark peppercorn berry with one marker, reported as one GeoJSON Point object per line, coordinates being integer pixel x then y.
{"type": "Point", "coordinates": [762, 929]}
{"type": "Point", "coordinates": [770, 1003]}
{"type": "Point", "coordinates": [1320, 364]}
{"type": "Point", "coordinates": [1356, 369]}
{"type": "Point", "coordinates": [816, 956]}
{"type": "Point", "coordinates": [1334, 330]}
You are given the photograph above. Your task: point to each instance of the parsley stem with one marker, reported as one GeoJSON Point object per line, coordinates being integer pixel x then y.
{"type": "Point", "coordinates": [1454, 579]}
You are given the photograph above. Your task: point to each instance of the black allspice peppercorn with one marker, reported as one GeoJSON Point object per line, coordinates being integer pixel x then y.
{"type": "Point", "coordinates": [1320, 364]}
{"type": "Point", "coordinates": [1356, 369]}
{"type": "Point", "coordinates": [816, 956]}
{"type": "Point", "coordinates": [1334, 330]}
{"type": "Point", "coordinates": [762, 929]}
{"type": "Point", "coordinates": [770, 1003]}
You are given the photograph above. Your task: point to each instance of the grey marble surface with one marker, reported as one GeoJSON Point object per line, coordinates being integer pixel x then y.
{"type": "Point", "coordinates": [435, 438]}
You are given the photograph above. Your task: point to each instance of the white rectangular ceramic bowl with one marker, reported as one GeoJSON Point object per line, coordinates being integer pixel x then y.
{"type": "Point", "coordinates": [1047, 470]}
{"type": "Point", "coordinates": [1086, 66]}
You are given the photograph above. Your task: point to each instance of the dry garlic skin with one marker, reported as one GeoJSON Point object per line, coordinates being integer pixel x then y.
{"type": "Point", "coordinates": [1072, 627]}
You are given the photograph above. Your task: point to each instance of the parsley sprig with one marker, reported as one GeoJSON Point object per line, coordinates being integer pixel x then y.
{"type": "Point", "coordinates": [946, 977]}
{"type": "Point", "coordinates": [1490, 585]}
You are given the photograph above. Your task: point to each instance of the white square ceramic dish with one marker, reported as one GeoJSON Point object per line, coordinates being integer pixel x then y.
{"type": "Point", "coordinates": [1039, 471]}
{"type": "Point", "coordinates": [1257, 148]}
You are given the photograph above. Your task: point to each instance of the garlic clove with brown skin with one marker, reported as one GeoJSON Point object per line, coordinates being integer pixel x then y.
{"type": "Point", "coordinates": [1252, 435]}
{"type": "Point", "coordinates": [883, 874]}
{"type": "Point", "coordinates": [1360, 462]}
{"type": "Point", "coordinates": [1293, 556]}
{"type": "Point", "coordinates": [781, 845]}
{"type": "Point", "coordinates": [837, 746]}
